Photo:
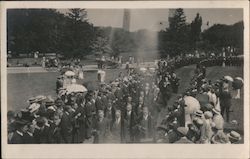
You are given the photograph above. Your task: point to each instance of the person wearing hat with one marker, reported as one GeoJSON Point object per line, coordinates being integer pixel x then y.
{"type": "Point", "coordinates": [182, 131]}
{"type": "Point", "coordinates": [234, 137]}
{"type": "Point", "coordinates": [131, 119]}
{"type": "Point", "coordinates": [117, 128]}
{"type": "Point", "coordinates": [220, 137]}
{"type": "Point", "coordinates": [79, 121]}
{"type": "Point", "coordinates": [41, 132]}
{"type": "Point", "coordinates": [225, 103]}
{"type": "Point", "coordinates": [172, 134]}
{"type": "Point", "coordinates": [21, 128]}
{"type": "Point", "coordinates": [66, 125]}
{"type": "Point", "coordinates": [206, 138]}
{"type": "Point", "coordinates": [29, 135]}
{"type": "Point", "coordinates": [217, 119]}
{"type": "Point", "coordinates": [55, 131]}
{"type": "Point", "coordinates": [59, 83]}
{"type": "Point", "coordinates": [11, 118]}
{"type": "Point", "coordinates": [101, 128]}
{"type": "Point", "coordinates": [146, 125]}
{"type": "Point", "coordinates": [40, 99]}
{"type": "Point", "coordinates": [34, 109]}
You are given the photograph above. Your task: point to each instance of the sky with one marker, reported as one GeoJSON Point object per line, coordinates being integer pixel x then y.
{"type": "Point", "coordinates": [157, 19]}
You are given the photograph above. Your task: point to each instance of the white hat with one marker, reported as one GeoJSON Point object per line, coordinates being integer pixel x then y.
{"type": "Point", "coordinates": [51, 108]}
{"type": "Point", "coordinates": [33, 107]}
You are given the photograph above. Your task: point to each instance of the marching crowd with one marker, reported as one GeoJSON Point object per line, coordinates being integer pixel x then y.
{"type": "Point", "coordinates": [126, 110]}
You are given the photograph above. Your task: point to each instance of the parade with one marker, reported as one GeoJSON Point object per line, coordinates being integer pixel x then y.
{"type": "Point", "coordinates": [126, 110]}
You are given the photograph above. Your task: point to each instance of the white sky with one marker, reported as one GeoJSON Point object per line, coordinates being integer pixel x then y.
{"type": "Point", "coordinates": [156, 19]}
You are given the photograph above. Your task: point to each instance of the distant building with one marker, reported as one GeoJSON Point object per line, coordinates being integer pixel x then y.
{"type": "Point", "coordinates": [126, 19]}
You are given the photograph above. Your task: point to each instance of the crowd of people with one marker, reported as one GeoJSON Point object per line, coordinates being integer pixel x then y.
{"type": "Point", "coordinates": [127, 110]}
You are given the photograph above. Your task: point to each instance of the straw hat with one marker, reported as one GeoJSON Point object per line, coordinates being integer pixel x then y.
{"type": "Point", "coordinates": [182, 130]}
{"type": "Point", "coordinates": [33, 107]}
{"type": "Point", "coordinates": [233, 135]}
{"type": "Point", "coordinates": [208, 114]}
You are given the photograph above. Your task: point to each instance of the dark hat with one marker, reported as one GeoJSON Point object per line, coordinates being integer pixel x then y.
{"type": "Point", "coordinates": [27, 115]}
{"type": "Point", "coordinates": [208, 106]}
{"type": "Point", "coordinates": [59, 102]}
{"type": "Point", "coordinates": [32, 100]}
{"type": "Point", "coordinates": [11, 114]}
{"type": "Point", "coordinates": [19, 123]}
{"type": "Point", "coordinates": [49, 102]}
{"type": "Point", "coordinates": [40, 121]}
{"type": "Point", "coordinates": [67, 107]}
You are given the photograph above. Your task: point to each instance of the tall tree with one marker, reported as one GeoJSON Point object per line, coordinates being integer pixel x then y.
{"type": "Point", "coordinates": [175, 40]}
{"type": "Point", "coordinates": [79, 33]}
{"type": "Point", "coordinates": [77, 14]}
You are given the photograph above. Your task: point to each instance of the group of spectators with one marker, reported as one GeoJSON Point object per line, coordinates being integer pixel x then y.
{"type": "Point", "coordinates": [127, 110]}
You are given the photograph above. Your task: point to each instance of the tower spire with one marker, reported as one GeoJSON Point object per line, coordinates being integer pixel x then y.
{"type": "Point", "coordinates": [126, 19]}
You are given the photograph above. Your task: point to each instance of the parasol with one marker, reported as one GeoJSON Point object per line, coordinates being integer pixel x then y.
{"type": "Point", "coordinates": [75, 88]}
{"type": "Point", "coordinates": [192, 104]}
{"type": "Point", "coordinates": [237, 83]}
{"type": "Point", "coordinates": [152, 70]}
{"type": "Point", "coordinates": [229, 78]}
{"type": "Point", "coordinates": [239, 78]}
{"type": "Point", "coordinates": [69, 73]}
{"type": "Point", "coordinates": [143, 69]}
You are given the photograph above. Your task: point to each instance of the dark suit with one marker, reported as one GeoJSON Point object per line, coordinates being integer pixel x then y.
{"type": "Point", "coordinates": [66, 127]}
{"type": "Point", "coordinates": [17, 138]}
{"type": "Point", "coordinates": [131, 120]}
{"type": "Point", "coordinates": [102, 130]}
{"type": "Point", "coordinates": [41, 135]}
{"type": "Point", "coordinates": [55, 134]}
{"type": "Point", "coordinates": [28, 138]}
{"type": "Point", "coordinates": [79, 125]}
{"type": "Point", "coordinates": [146, 127]}
{"type": "Point", "coordinates": [89, 113]}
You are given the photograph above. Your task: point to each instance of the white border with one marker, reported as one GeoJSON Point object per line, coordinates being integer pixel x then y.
{"type": "Point", "coordinates": [128, 150]}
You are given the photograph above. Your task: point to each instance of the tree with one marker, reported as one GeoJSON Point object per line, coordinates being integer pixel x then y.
{"type": "Point", "coordinates": [31, 30]}
{"type": "Point", "coordinates": [178, 21]}
{"type": "Point", "coordinates": [101, 46]}
{"type": "Point", "coordinates": [220, 35]}
{"type": "Point", "coordinates": [175, 40]}
{"type": "Point", "coordinates": [77, 14]}
{"type": "Point", "coordinates": [78, 34]}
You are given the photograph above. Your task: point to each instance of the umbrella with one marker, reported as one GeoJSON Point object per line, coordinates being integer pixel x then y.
{"type": "Point", "coordinates": [229, 78]}
{"type": "Point", "coordinates": [152, 69]}
{"type": "Point", "coordinates": [143, 69]}
{"type": "Point", "coordinates": [75, 88]}
{"type": "Point", "coordinates": [69, 73]}
{"type": "Point", "coordinates": [237, 83]}
{"type": "Point", "coordinates": [239, 78]}
{"type": "Point", "coordinates": [192, 104]}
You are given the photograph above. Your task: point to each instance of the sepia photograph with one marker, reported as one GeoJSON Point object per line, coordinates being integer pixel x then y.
{"type": "Point", "coordinates": [125, 75]}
